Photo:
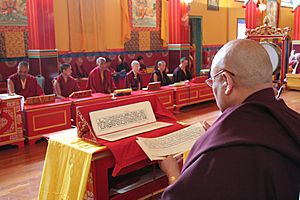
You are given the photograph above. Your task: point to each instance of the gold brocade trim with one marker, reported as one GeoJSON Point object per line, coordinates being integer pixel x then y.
{"type": "Point", "coordinates": [83, 127]}
{"type": "Point", "coordinates": [14, 118]}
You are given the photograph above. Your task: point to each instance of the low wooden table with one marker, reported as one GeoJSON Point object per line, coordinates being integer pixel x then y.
{"type": "Point", "coordinates": [46, 118]}
{"type": "Point", "coordinates": [166, 96]}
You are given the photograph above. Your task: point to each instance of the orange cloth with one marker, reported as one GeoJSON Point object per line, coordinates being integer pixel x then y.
{"type": "Point", "coordinates": [91, 25]}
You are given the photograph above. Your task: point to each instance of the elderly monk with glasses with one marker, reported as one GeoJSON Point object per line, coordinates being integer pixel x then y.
{"type": "Point", "coordinates": [252, 151]}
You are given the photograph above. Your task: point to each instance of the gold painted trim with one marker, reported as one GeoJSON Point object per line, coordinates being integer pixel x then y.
{"type": "Point", "coordinates": [34, 137]}
{"type": "Point", "coordinates": [159, 93]}
{"type": "Point", "coordinates": [170, 107]}
{"type": "Point", "coordinates": [9, 100]}
{"type": "Point", "coordinates": [169, 100]}
{"type": "Point", "coordinates": [181, 105]}
{"type": "Point", "coordinates": [45, 108]}
{"type": "Point", "coordinates": [186, 99]}
{"type": "Point", "coordinates": [202, 100]}
{"type": "Point", "coordinates": [12, 141]}
{"type": "Point", "coordinates": [79, 103]}
{"type": "Point", "coordinates": [102, 155]}
{"type": "Point", "coordinates": [52, 126]}
{"type": "Point", "coordinates": [153, 193]}
{"type": "Point", "coordinates": [196, 96]}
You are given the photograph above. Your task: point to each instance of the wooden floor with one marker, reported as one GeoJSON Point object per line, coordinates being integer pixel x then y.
{"type": "Point", "coordinates": [21, 169]}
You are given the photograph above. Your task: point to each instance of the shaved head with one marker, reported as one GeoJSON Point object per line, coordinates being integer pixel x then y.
{"type": "Point", "coordinates": [24, 65]}
{"type": "Point", "coordinates": [23, 69]}
{"type": "Point", "coordinates": [247, 59]}
{"type": "Point", "coordinates": [239, 69]}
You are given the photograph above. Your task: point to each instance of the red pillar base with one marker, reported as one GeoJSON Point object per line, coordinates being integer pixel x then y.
{"type": "Point", "coordinates": [177, 51]}
{"type": "Point", "coordinates": [45, 63]}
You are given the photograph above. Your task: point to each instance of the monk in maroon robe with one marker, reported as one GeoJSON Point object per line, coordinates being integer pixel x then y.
{"type": "Point", "coordinates": [65, 84]}
{"type": "Point", "coordinates": [294, 63]}
{"type": "Point", "coordinates": [181, 73]}
{"type": "Point", "coordinates": [142, 67]}
{"type": "Point", "coordinates": [100, 78]}
{"type": "Point", "coordinates": [22, 83]}
{"type": "Point", "coordinates": [133, 78]}
{"type": "Point", "coordinates": [160, 74]}
{"type": "Point", "coordinates": [252, 151]}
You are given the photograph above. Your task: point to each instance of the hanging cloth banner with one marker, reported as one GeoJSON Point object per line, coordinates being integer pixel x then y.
{"type": "Point", "coordinates": [247, 1]}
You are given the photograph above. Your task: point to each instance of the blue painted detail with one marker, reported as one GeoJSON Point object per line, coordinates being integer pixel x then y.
{"type": "Point", "coordinates": [14, 59]}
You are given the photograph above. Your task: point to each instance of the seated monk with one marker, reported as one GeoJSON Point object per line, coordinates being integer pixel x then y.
{"type": "Point", "coordinates": [143, 67]}
{"type": "Point", "coordinates": [79, 71]}
{"type": "Point", "coordinates": [181, 73]}
{"type": "Point", "coordinates": [23, 83]}
{"type": "Point", "coordinates": [133, 78]}
{"type": "Point", "coordinates": [122, 66]}
{"type": "Point", "coordinates": [100, 78]}
{"type": "Point", "coordinates": [65, 84]}
{"type": "Point", "coordinates": [160, 74]}
{"type": "Point", "coordinates": [294, 63]}
{"type": "Point", "coordinates": [252, 151]}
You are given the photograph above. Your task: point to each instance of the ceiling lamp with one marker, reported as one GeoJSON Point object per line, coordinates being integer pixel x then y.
{"type": "Point", "coordinates": [187, 1]}
{"type": "Point", "coordinates": [262, 7]}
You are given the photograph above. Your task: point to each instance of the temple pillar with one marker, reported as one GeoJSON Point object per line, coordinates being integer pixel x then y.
{"type": "Point", "coordinates": [178, 32]}
{"type": "Point", "coordinates": [253, 15]}
{"type": "Point", "coordinates": [43, 57]}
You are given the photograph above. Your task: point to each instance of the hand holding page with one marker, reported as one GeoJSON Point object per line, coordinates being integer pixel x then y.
{"type": "Point", "coordinates": [172, 144]}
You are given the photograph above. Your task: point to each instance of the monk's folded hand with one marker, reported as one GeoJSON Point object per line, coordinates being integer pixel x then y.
{"type": "Point", "coordinates": [205, 125]}
{"type": "Point", "coordinates": [171, 168]}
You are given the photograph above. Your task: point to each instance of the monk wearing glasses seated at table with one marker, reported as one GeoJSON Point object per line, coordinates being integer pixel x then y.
{"type": "Point", "coordinates": [252, 151]}
{"type": "Point", "coordinates": [22, 83]}
{"type": "Point", "coordinates": [100, 79]}
{"type": "Point", "coordinates": [65, 84]}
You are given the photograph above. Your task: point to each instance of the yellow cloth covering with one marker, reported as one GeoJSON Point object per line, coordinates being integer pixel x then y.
{"type": "Point", "coordinates": [66, 168]}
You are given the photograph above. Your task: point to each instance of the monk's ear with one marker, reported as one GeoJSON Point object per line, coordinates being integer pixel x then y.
{"type": "Point", "coordinates": [228, 83]}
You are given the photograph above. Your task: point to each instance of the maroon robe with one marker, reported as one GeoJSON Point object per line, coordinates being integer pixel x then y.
{"type": "Point", "coordinates": [179, 75]}
{"type": "Point", "coordinates": [96, 83]}
{"type": "Point", "coordinates": [32, 88]}
{"type": "Point", "coordinates": [251, 152]}
{"type": "Point", "coordinates": [132, 82]}
{"type": "Point", "coordinates": [68, 87]}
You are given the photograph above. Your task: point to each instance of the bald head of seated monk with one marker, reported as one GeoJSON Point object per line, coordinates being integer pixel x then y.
{"type": "Point", "coordinates": [22, 83]}
{"type": "Point", "coordinates": [65, 84]}
{"type": "Point", "coordinates": [252, 151]}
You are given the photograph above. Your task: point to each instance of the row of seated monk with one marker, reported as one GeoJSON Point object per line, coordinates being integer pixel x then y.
{"type": "Point", "coordinates": [118, 71]}
{"type": "Point", "coordinates": [100, 79]}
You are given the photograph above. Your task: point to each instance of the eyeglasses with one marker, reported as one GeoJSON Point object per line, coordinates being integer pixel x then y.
{"type": "Point", "coordinates": [210, 81]}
